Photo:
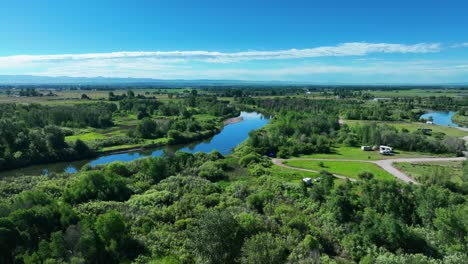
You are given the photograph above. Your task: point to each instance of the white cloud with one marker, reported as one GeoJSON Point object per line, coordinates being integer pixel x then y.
{"type": "Point", "coordinates": [276, 65]}
{"type": "Point", "coordinates": [401, 71]}
{"type": "Point", "coordinates": [460, 45]}
{"type": "Point", "coordinates": [345, 49]}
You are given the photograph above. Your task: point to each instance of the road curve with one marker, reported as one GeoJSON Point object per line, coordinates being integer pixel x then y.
{"type": "Point", "coordinates": [386, 164]}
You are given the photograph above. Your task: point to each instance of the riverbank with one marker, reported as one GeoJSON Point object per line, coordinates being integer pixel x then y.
{"type": "Point", "coordinates": [460, 120]}
{"type": "Point", "coordinates": [143, 145]}
{"type": "Point", "coordinates": [224, 140]}
{"type": "Point", "coordinates": [161, 142]}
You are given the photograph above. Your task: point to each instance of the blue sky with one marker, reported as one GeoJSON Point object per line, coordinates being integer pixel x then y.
{"type": "Point", "coordinates": [312, 41]}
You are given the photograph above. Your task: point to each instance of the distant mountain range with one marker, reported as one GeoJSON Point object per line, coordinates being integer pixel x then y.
{"type": "Point", "coordinates": [31, 80]}
{"type": "Point", "coordinates": [65, 80]}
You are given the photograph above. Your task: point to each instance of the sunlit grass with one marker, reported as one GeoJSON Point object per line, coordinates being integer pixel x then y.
{"type": "Point", "coordinates": [348, 169]}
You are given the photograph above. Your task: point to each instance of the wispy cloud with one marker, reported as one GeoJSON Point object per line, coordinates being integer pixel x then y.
{"type": "Point", "coordinates": [355, 61]}
{"type": "Point", "coordinates": [396, 71]}
{"type": "Point", "coordinates": [460, 45]}
{"type": "Point", "coordinates": [345, 49]}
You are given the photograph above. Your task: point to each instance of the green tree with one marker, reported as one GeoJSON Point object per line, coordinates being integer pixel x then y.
{"type": "Point", "coordinates": [97, 185]}
{"type": "Point", "coordinates": [55, 137]}
{"type": "Point", "coordinates": [110, 226]}
{"type": "Point", "coordinates": [216, 237]}
{"type": "Point", "coordinates": [452, 223]}
{"type": "Point", "coordinates": [306, 251]}
{"type": "Point", "coordinates": [81, 148]}
{"type": "Point", "coordinates": [264, 248]}
{"type": "Point", "coordinates": [365, 175]}
{"type": "Point", "coordinates": [147, 128]}
{"type": "Point", "coordinates": [211, 171]}
{"type": "Point", "coordinates": [9, 239]}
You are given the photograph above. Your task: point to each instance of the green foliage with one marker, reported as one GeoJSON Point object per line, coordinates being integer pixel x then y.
{"type": "Point", "coordinates": [264, 248]}
{"type": "Point", "coordinates": [259, 200]}
{"type": "Point", "coordinates": [365, 175]}
{"type": "Point", "coordinates": [375, 134]}
{"type": "Point", "coordinates": [97, 185]}
{"type": "Point", "coordinates": [295, 133]}
{"type": "Point", "coordinates": [211, 170]}
{"type": "Point", "coordinates": [263, 219]}
{"type": "Point", "coordinates": [216, 237]}
{"type": "Point", "coordinates": [452, 223]}
{"type": "Point", "coordinates": [147, 128]}
{"type": "Point", "coordinates": [203, 208]}
{"type": "Point", "coordinates": [110, 226]}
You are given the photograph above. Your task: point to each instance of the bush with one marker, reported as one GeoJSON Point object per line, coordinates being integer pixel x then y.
{"type": "Point", "coordinates": [249, 158]}
{"type": "Point", "coordinates": [118, 168]}
{"type": "Point", "coordinates": [97, 185]}
{"type": "Point", "coordinates": [264, 248]}
{"type": "Point", "coordinates": [211, 170]}
{"type": "Point", "coordinates": [365, 175]}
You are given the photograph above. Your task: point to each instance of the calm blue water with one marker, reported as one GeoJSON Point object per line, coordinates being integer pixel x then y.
{"type": "Point", "coordinates": [231, 136]}
{"type": "Point", "coordinates": [441, 118]}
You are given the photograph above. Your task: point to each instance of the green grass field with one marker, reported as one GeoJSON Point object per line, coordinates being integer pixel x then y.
{"type": "Point", "coordinates": [291, 175]}
{"type": "Point", "coordinates": [355, 153]}
{"type": "Point", "coordinates": [348, 169]}
{"type": "Point", "coordinates": [451, 169]}
{"type": "Point", "coordinates": [413, 126]}
{"type": "Point", "coordinates": [74, 96]}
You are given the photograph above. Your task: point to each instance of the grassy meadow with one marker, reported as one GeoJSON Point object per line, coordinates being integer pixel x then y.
{"type": "Point", "coordinates": [355, 153]}
{"type": "Point", "coordinates": [451, 170]}
{"type": "Point", "coordinates": [345, 168]}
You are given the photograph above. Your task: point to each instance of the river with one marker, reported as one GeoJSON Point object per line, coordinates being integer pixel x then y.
{"type": "Point", "coordinates": [231, 136]}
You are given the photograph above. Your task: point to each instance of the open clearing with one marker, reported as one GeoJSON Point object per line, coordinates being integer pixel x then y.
{"type": "Point", "coordinates": [413, 126]}
{"type": "Point", "coordinates": [354, 153]}
{"type": "Point", "coordinates": [452, 170]}
{"type": "Point", "coordinates": [351, 168]}
{"type": "Point", "coordinates": [345, 168]}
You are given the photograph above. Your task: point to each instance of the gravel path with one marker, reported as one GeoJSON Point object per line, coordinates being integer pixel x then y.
{"type": "Point", "coordinates": [384, 164]}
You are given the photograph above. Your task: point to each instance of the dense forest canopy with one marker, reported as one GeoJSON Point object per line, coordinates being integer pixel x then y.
{"type": "Point", "coordinates": [178, 210]}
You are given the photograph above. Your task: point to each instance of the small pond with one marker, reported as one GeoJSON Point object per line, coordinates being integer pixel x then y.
{"type": "Point", "coordinates": [441, 118]}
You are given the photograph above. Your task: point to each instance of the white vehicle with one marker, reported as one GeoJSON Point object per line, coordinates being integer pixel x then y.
{"type": "Point", "coordinates": [307, 181]}
{"type": "Point", "coordinates": [385, 150]}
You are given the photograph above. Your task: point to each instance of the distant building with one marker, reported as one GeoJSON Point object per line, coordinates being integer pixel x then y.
{"type": "Point", "coordinates": [307, 181]}
{"type": "Point", "coordinates": [429, 122]}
